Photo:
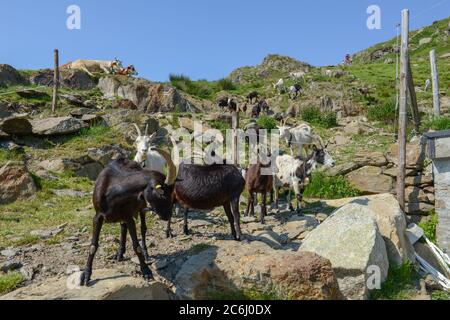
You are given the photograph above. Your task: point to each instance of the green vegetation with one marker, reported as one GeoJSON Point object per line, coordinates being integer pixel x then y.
{"type": "Point", "coordinates": [398, 284]}
{"type": "Point", "coordinates": [438, 123]}
{"type": "Point", "coordinates": [317, 117]}
{"type": "Point", "coordinates": [325, 187]}
{"type": "Point", "coordinates": [429, 227]}
{"type": "Point", "coordinates": [440, 295]}
{"type": "Point", "coordinates": [267, 122]}
{"type": "Point", "coordinates": [385, 113]}
{"type": "Point", "coordinates": [10, 281]}
{"type": "Point", "coordinates": [202, 88]}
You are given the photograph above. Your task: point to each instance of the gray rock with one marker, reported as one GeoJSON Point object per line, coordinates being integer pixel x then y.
{"type": "Point", "coordinates": [104, 155]}
{"type": "Point", "coordinates": [16, 183]}
{"type": "Point", "coordinates": [10, 266]}
{"type": "Point", "coordinates": [27, 272]}
{"type": "Point", "coordinates": [69, 193]}
{"type": "Point", "coordinates": [9, 253]}
{"type": "Point", "coordinates": [16, 125]}
{"type": "Point", "coordinates": [297, 225]}
{"type": "Point", "coordinates": [10, 76]}
{"type": "Point", "coordinates": [350, 239]}
{"type": "Point", "coordinates": [424, 41]}
{"type": "Point", "coordinates": [57, 126]}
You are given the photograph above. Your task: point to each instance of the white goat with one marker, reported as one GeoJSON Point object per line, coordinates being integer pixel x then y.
{"type": "Point", "coordinates": [297, 75]}
{"type": "Point", "coordinates": [148, 158]}
{"type": "Point", "coordinates": [293, 173]}
{"type": "Point", "coordinates": [279, 86]}
{"type": "Point", "coordinates": [299, 136]}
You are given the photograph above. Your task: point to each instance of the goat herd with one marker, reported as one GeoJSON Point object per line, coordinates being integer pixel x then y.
{"type": "Point", "coordinates": [126, 189]}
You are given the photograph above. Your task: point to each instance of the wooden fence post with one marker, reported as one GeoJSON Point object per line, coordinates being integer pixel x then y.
{"type": "Point", "coordinates": [235, 127]}
{"type": "Point", "coordinates": [413, 96]}
{"type": "Point", "coordinates": [55, 81]}
{"type": "Point", "coordinates": [402, 109]}
{"type": "Point", "coordinates": [435, 77]}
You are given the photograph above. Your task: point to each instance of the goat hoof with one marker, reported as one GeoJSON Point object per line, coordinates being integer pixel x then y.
{"type": "Point", "coordinates": [147, 274]}
{"type": "Point", "coordinates": [169, 234]}
{"type": "Point", "coordinates": [85, 278]}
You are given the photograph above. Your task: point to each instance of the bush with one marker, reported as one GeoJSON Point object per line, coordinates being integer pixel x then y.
{"type": "Point", "coordinates": [325, 187]}
{"type": "Point", "coordinates": [225, 85]}
{"type": "Point", "coordinates": [315, 116]}
{"type": "Point", "coordinates": [385, 113]}
{"type": "Point", "coordinates": [267, 122]}
{"type": "Point", "coordinates": [439, 123]}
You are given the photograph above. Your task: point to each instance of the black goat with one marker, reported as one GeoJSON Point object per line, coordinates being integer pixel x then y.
{"type": "Point", "coordinates": [252, 95]}
{"type": "Point", "coordinates": [123, 190]}
{"type": "Point", "coordinates": [228, 103]}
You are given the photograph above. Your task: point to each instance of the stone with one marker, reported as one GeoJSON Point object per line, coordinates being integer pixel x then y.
{"type": "Point", "coordinates": [424, 41]}
{"type": "Point", "coordinates": [9, 253]}
{"type": "Point", "coordinates": [391, 222]}
{"type": "Point", "coordinates": [73, 79]}
{"type": "Point", "coordinates": [414, 194]}
{"type": "Point", "coordinates": [370, 180]}
{"type": "Point", "coordinates": [375, 159]}
{"type": "Point", "coordinates": [229, 267]}
{"type": "Point", "coordinates": [16, 183]}
{"type": "Point", "coordinates": [418, 207]}
{"type": "Point", "coordinates": [10, 76]}
{"type": "Point", "coordinates": [393, 172]}
{"type": "Point", "coordinates": [78, 113]}
{"type": "Point", "coordinates": [106, 285]}
{"type": "Point", "coordinates": [415, 155]}
{"type": "Point", "coordinates": [57, 126]}
{"type": "Point", "coordinates": [445, 56]}
{"type": "Point", "coordinates": [4, 111]}
{"type": "Point", "coordinates": [10, 265]}
{"type": "Point", "coordinates": [91, 119]}
{"type": "Point", "coordinates": [269, 237]}
{"type": "Point", "coordinates": [105, 154]}
{"type": "Point", "coordinates": [419, 180]}
{"type": "Point", "coordinates": [27, 273]}
{"type": "Point", "coordinates": [296, 225]}
{"type": "Point", "coordinates": [356, 128]}
{"type": "Point", "coordinates": [47, 234]}
{"type": "Point", "coordinates": [69, 193]}
{"type": "Point", "coordinates": [342, 169]}
{"type": "Point", "coordinates": [16, 125]}
{"type": "Point", "coordinates": [90, 170]}
{"type": "Point", "coordinates": [350, 239]}
{"type": "Point", "coordinates": [124, 104]}
{"type": "Point", "coordinates": [196, 223]}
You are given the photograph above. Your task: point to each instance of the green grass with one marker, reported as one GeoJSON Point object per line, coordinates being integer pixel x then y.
{"type": "Point", "coordinates": [201, 88]}
{"type": "Point", "coordinates": [385, 113]}
{"type": "Point", "coordinates": [13, 155]}
{"type": "Point", "coordinates": [267, 122]}
{"type": "Point", "coordinates": [429, 227]}
{"type": "Point", "coordinates": [314, 115]}
{"type": "Point", "coordinates": [438, 123]}
{"type": "Point", "coordinates": [10, 281]}
{"type": "Point", "coordinates": [325, 187]}
{"type": "Point", "coordinates": [398, 284]}
{"type": "Point", "coordinates": [440, 295]}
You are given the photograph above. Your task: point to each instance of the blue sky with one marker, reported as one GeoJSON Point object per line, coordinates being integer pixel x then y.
{"type": "Point", "coordinates": [205, 39]}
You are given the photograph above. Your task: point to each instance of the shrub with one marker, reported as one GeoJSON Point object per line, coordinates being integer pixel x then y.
{"type": "Point", "coordinates": [315, 116]}
{"type": "Point", "coordinates": [267, 122]}
{"type": "Point", "coordinates": [225, 84]}
{"type": "Point", "coordinates": [439, 123]}
{"type": "Point", "coordinates": [322, 186]}
{"type": "Point", "coordinates": [385, 113]}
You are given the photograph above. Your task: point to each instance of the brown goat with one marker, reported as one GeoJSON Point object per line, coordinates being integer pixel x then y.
{"type": "Point", "coordinates": [255, 183]}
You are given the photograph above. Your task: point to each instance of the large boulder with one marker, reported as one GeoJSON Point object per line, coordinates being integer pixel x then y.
{"type": "Point", "coordinates": [16, 183]}
{"type": "Point", "coordinates": [57, 126]}
{"type": "Point", "coordinates": [415, 155]}
{"type": "Point", "coordinates": [228, 268]}
{"type": "Point", "coordinates": [73, 79]}
{"type": "Point", "coordinates": [391, 221]}
{"type": "Point", "coordinates": [351, 240]}
{"type": "Point", "coordinates": [371, 180]}
{"type": "Point", "coordinates": [147, 96]}
{"type": "Point", "coordinates": [10, 76]}
{"type": "Point", "coordinates": [16, 125]}
{"type": "Point", "coordinates": [111, 285]}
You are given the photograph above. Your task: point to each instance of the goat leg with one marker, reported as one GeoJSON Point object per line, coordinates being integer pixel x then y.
{"type": "Point", "coordinates": [249, 203]}
{"type": "Point", "coordinates": [169, 233]}
{"type": "Point", "coordinates": [144, 236]}
{"type": "Point", "coordinates": [186, 227]}
{"type": "Point", "coordinates": [263, 207]}
{"type": "Point", "coordinates": [229, 213]}
{"type": "Point", "coordinates": [237, 218]}
{"type": "Point", "coordinates": [122, 244]}
{"type": "Point", "coordinates": [87, 272]}
{"type": "Point", "coordinates": [146, 272]}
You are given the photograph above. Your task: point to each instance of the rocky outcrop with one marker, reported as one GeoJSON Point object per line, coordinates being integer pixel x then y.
{"type": "Point", "coordinates": [57, 126]}
{"type": "Point", "coordinates": [370, 180]}
{"type": "Point", "coordinates": [351, 240]}
{"type": "Point", "coordinates": [391, 222]}
{"type": "Point", "coordinates": [111, 285]}
{"type": "Point", "coordinates": [147, 96]}
{"type": "Point", "coordinates": [16, 125]}
{"type": "Point", "coordinates": [10, 76]}
{"type": "Point", "coordinates": [73, 79]}
{"type": "Point", "coordinates": [228, 268]}
{"type": "Point", "coordinates": [16, 183]}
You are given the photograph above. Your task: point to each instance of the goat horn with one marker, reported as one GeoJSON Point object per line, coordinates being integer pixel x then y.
{"type": "Point", "coordinates": [137, 129]}
{"type": "Point", "coordinates": [172, 169]}
{"type": "Point", "coordinates": [146, 129]}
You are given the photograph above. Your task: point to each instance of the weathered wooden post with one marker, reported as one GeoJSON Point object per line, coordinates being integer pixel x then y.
{"type": "Point", "coordinates": [55, 81]}
{"type": "Point", "coordinates": [413, 96]}
{"type": "Point", "coordinates": [435, 78]}
{"type": "Point", "coordinates": [235, 127]}
{"type": "Point", "coordinates": [402, 109]}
